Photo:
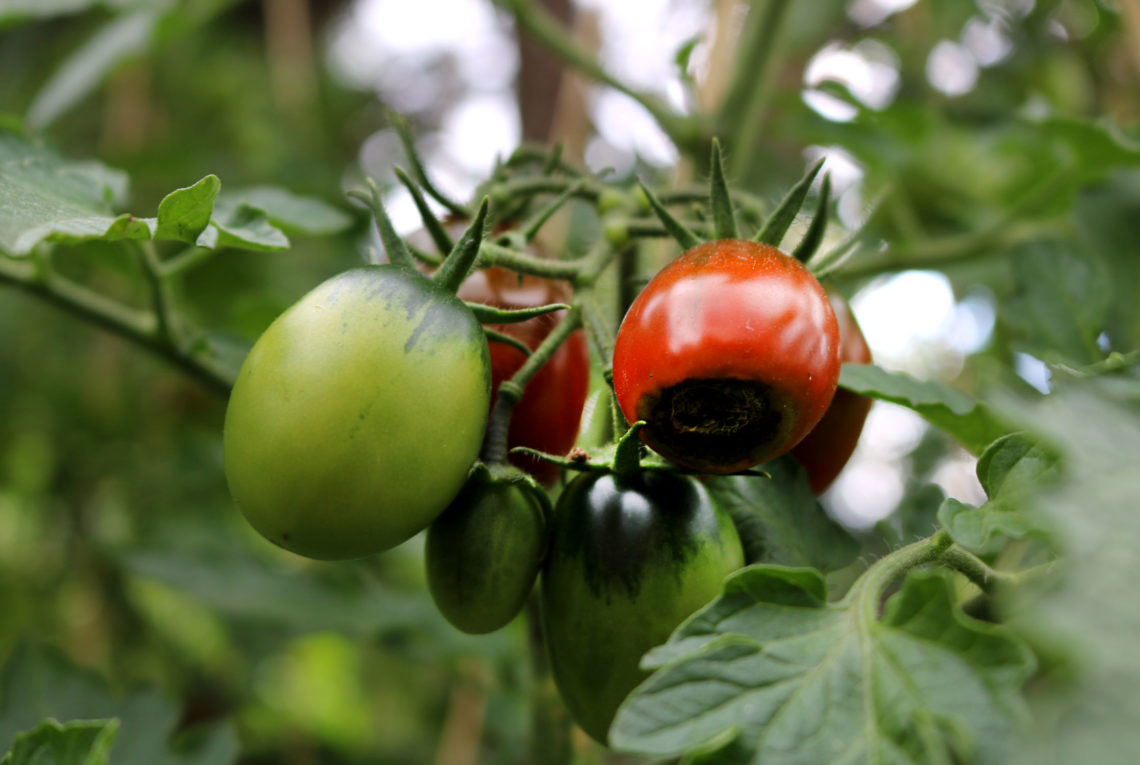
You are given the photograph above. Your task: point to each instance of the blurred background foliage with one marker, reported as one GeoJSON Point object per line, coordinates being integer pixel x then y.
{"type": "Point", "coordinates": [129, 583]}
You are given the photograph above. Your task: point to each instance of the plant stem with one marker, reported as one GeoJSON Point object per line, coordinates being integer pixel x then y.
{"type": "Point", "coordinates": [491, 254]}
{"type": "Point", "coordinates": [871, 586]}
{"type": "Point", "coordinates": [495, 441]}
{"type": "Point", "coordinates": [140, 327]}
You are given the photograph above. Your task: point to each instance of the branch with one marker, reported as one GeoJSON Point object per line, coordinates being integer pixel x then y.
{"type": "Point", "coordinates": [140, 327]}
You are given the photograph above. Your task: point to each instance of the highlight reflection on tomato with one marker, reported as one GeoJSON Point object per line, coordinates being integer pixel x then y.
{"type": "Point", "coordinates": [827, 448]}
{"type": "Point", "coordinates": [730, 354]}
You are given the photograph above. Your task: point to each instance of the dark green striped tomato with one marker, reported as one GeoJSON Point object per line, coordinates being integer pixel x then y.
{"type": "Point", "coordinates": [630, 558]}
{"type": "Point", "coordinates": [483, 553]}
{"type": "Point", "coordinates": [358, 413]}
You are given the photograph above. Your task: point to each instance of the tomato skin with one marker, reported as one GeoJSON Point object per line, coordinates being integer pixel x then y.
{"type": "Point", "coordinates": [484, 551]}
{"type": "Point", "coordinates": [730, 354]}
{"type": "Point", "coordinates": [629, 560]}
{"type": "Point", "coordinates": [827, 448]}
{"type": "Point", "coordinates": [357, 414]}
{"type": "Point", "coordinates": [547, 416]}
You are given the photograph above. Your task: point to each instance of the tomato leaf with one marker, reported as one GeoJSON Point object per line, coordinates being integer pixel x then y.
{"type": "Point", "coordinates": [80, 742]}
{"type": "Point", "coordinates": [1011, 470]}
{"type": "Point", "coordinates": [184, 213]}
{"type": "Point", "coordinates": [1060, 302]}
{"type": "Point", "coordinates": [790, 678]}
{"type": "Point", "coordinates": [43, 196]}
{"type": "Point", "coordinates": [292, 213]}
{"type": "Point", "coordinates": [964, 419]}
{"type": "Point", "coordinates": [780, 520]}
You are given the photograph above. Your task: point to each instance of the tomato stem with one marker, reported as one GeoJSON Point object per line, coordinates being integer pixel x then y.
{"type": "Point", "coordinates": [495, 442]}
{"type": "Point", "coordinates": [140, 327]}
{"type": "Point", "coordinates": [397, 251]}
{"type": "Point", "coordinates": [432, 225]}
{"type": "Point", "coordinates": [404, 131]}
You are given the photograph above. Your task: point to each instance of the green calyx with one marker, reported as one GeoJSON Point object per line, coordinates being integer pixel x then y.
{"type": "Point", "coordinates": [775, 225]}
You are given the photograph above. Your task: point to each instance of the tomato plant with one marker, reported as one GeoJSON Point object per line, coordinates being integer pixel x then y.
{"type": "Point", "coordinates": [826, 449]}
{"type": "Point", "coordinates": [630, 557]}
{"type": "Point", "coordinates": [967, 598]}
{"type": "Point", "coordinates": [484, 551]}
{"type": "Point", "coordinates": [730, 354]}
{"type": "Point", "coordinates": [323, 453]}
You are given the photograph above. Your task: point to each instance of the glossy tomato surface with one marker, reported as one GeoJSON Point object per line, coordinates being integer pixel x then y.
{"type": "Point", "coordinates": [483, 553]}
{"type": "Point", "coordinates": [357, 414]}
{"type": "Point", "coordinates": [730, 354]}
{"type": "Point", "coordinates": [630, 559]}
{"type": "Point", "coordinates": [827, 448]}
{"type": "Point", "coordinates": [548, 415]}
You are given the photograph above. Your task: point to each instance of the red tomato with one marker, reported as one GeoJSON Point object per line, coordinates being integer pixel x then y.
{"type": "Point", "coordinates": [730, 354]}
{"type": "Point", "coordinates": [549, 413]}
{"type": "Point", "coordinates": [826, 449]}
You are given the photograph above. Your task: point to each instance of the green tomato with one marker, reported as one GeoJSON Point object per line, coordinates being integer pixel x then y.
{"type": "Point", "coordinates": [630, 559]}
{"type": "Point", "coordinates": [358, 413]}
{"type": "Point", "coordinates": [483, 553]}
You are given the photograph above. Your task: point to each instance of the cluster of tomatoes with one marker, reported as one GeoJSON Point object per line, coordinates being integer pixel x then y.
{"type": "Point", "coordinates": [358, 418]}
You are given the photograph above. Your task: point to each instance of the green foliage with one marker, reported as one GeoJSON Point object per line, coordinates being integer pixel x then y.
{"type": "Point", "coordinates": [951, 410]}
{"type": "Point", "coordinates": [780, 520]}
{"type": "Point", "coordinates": [144, 623]}
{"type": "Point", "coordinates": [779, 675]}
{"type": "Point", "coordinates": [76, 743]}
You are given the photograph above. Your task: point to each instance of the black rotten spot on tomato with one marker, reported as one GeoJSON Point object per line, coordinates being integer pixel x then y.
{"type": "Point", "coordinates": [730, 355]}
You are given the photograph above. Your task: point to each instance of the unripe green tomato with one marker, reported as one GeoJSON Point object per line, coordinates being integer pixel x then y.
{"type": "Point", "coordinates": [483, 553]}
{"type": "Point", "coordinates": [630, 559]}
{"type": "Point", "coordinates": [357, 414]}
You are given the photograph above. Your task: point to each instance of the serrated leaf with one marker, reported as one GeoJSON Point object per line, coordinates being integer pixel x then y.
{"type": "Point", "coordinates": [244, 227]}
{"type": "Point", "coordinates": [292, 213]}
{"type": "Point", "coordinates": [184, 213]}
{"type": "Point", "coordinates": [119, 40]}
{"type": "Point", "coordinates": [42, 194]}
{"type": "Point", "coordinates": [1015, 464]}
{"type": "Point", "coordinates": [964, 419]}
{"type": "Point", "coordinates": [1011, 470]}
{"type": "Point", "coordinates": [79, 742]}
{"type": "Point", "coordinates": [780, 520]}
{"type": "Point", "coordinates": [797, 680]}
{"type": "Point", "coordinates": [1060, 302]}
{"type": "Point", "coordinates": [983, 529]}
